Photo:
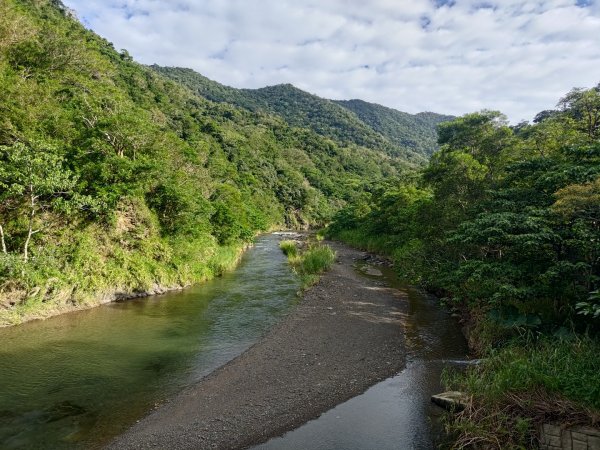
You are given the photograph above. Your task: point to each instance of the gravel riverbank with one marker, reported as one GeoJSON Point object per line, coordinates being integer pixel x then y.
{"type": "Point", "coordinates": [344, 336]}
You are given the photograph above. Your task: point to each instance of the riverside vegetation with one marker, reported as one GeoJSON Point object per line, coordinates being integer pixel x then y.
{"type": "Point", "coordinates": [504, 225]}
{"type": "Point", "coordinates": [116, 180]}
{"type": "Point", "coordinates": [309, 262]}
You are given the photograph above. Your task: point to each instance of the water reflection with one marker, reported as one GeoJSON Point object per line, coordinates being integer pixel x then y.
{"type": "Point", "coordinates": [396, 413]}
{"type": "Point", "coordinates": [77, 380]}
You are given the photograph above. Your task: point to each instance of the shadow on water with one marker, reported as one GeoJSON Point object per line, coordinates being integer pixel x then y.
{"type": "Point", "coordinates": [76, 380]}
{"type": "Point", "coordinates": [396, 413]}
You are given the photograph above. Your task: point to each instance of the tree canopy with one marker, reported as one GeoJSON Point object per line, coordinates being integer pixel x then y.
{"type": "Point", "coordinates": [100, 153]}
{"type": "Point", "coordinates": [503, 219]}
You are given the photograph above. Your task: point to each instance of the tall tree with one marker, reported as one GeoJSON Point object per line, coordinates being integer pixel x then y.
{"type": "Point", "coordinates": [32, 180]}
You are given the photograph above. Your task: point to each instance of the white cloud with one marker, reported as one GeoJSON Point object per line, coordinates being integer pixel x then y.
{"type": "Point", "coordinates": [515, 56]}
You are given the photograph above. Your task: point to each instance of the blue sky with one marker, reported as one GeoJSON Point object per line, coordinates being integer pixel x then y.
{"type": "Point", "coordinates": [448, 56]}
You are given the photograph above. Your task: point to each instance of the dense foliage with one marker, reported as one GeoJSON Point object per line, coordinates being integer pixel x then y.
{"type": "Point", "coordinates": [504, 220]}
{"type": "Point", "coordinates": [414, 131]}
{"type": "Point", "coordinates": [411, 137]}
{"type": "Point", "coordinates": [115, 178]}
{"type": "Point", "coordinates": [504, 223]}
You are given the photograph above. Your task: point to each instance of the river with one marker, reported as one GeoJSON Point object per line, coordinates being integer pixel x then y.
{"type": "Point", "coordinates": [77, 380]}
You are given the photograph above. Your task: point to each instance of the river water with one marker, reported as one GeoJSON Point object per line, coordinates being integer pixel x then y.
{"type": "Point", "coordinates": [396, 413]}
{"type": "Point", "coordinates": [76, 380]}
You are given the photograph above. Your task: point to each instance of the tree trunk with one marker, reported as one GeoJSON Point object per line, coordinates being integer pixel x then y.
{"type": "Point", "coordinates": [26, 246]}
{"type": "Point", "coordinates": [2, 240]}
{"type": "Point", "coordinates": [30, 231]}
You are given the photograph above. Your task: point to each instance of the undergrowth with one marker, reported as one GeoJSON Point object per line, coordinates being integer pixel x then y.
{"type": "Point", "coordinates": [289, 248]}
{"type": "Point", "coordinates": [100, 260]}
{"type": "Point", "coordinates": [523, 385]}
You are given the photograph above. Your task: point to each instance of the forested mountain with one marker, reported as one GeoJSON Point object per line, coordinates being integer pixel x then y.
{"type": "Point", "coordinates": [410, 137]}
{"type": "Point", "coordinates": [115, 178]}
{"type": "Point", "coordinates": [417, 132]}
{"type": "Point", "coordinates": [118, 179]}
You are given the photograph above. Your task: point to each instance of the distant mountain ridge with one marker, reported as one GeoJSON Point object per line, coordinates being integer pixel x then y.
{"type": "Point", "coordinates": [415, 131]}
{"type": "Point", "coordinates": [412, 137]}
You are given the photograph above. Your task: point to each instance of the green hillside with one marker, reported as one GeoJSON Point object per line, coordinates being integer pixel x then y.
{"type": "Point", "coordinates": [114, 178]}
{"type": "Point", "coordinates": [406, 136]}
{"type": "Point", "coordinates": [121, 180]}
{"type": "Point", "coordinates": [417, 132]}
{"type": "Point", "coordinates": [504, 225]}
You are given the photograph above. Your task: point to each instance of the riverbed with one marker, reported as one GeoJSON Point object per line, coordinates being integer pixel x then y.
{"type": "Point", "coordinates": [396, 413]}
{"type": "Point", "coordinates": [359, 340]}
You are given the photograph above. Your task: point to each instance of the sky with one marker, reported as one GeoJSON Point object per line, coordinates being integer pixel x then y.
{"type": "Point", "coordinates": [446, 56]}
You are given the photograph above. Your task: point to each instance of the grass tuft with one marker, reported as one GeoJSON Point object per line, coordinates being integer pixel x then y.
{"type": "Point", "coordinates": [289, 248]}
{"type": "Point", "coordinates": [310, 263]}
{"type": "Point", "coordinates": [317, 259]}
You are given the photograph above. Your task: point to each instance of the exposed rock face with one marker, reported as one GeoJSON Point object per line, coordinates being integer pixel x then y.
{"type": "Point", "coordinates": [64, 9]}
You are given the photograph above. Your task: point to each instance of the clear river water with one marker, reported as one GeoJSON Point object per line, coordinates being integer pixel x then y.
{"type": "Point", "coordinates": [77, 380]}
{"type": "Point", "coordinates": [397, 413]}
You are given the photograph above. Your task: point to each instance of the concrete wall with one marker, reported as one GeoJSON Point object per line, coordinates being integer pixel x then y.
{"type": "Point", "coordinates": [553, 437]}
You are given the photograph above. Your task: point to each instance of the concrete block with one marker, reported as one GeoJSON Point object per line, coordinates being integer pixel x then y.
{"type": "Point", "coordinates": [551, 430]}
{"type": "Point", "coordinates": [588, 431]}
{"type": "Point", "coordinates": [452, 400]}
{"type": "Point", "coordinates": [566, 440]}
{"type": "Point", "coordinates": [578, 436]}
{"type": "Point", "coordinates": [594, 442]}
{"type": "Point", "coordinates": [554, 441]}
{"type": "Point", "coordinates": [553, 437]}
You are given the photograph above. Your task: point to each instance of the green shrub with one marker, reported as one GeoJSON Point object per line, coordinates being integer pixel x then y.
{"type": "Point", "coordinates": [289, 248]}
{"type": "Point", "coordinates": [311, 263]}
{"type": "Point", "coordinates": [316, 260]}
